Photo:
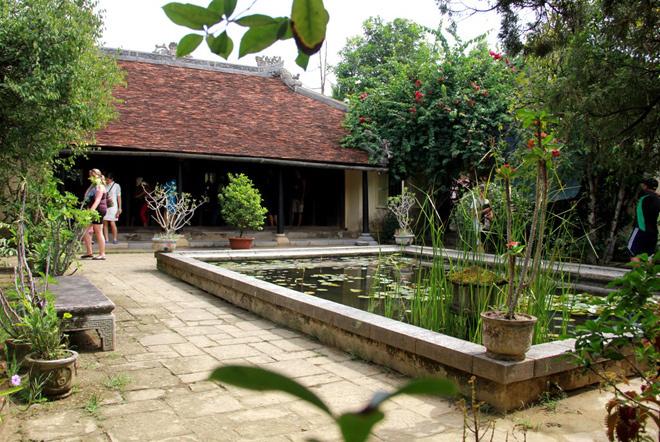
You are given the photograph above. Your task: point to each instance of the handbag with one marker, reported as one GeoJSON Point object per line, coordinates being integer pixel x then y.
{"type": "Point", "coordinates": [109, 202]}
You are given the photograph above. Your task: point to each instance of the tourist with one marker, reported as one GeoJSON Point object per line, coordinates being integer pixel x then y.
{"type": "Point", "coordinates": [114, 208]}
{"type": "Point", "coordinates": [95, 200]}
{"type": "Point", "coordinates": [143, 189]}
{"type": "Point", "coordinates": [298, 202]}
{"type": "Point", "coordinates": [644, 238]}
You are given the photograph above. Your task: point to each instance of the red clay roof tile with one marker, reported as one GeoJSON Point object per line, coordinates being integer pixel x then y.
{"type": "Point", "coordinates": [182, 109]}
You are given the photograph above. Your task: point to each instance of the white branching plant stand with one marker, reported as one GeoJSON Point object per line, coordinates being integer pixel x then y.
{"type": "Point", "coordinates": [172, 211]}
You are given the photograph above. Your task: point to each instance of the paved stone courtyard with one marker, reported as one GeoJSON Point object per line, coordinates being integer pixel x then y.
{"type": "Point", "coordinates": [171, 335]}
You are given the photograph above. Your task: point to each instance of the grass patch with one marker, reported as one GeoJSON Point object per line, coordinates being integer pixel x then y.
{"type": "Point", "coordinates": [117, 382]}
{"type": "Point", "coordinates": [92, 405]}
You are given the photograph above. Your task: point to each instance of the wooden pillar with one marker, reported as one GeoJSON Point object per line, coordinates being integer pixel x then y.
{"type": "Point", "coordinates": [365, 203]}
{"type": "Point", "coordinates": [280, 203]}
{"type": "Point", "coordinates": [365, 238]}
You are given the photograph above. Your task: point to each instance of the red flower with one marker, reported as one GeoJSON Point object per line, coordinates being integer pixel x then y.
{"type": "Point", "coordinates": [495, 55]}
{"type": "Point", "coordinates": [475, 86]}
{"type": "Point", "coordinates": [530, 143]}
{"type": "Point", "coordinates": [512, 244]}
{"type": "Point", "coordinates": [543, 134]}
{"type": "Point", "coordinates": [362, 119]}
{"type": "Point", "coordinates": [418, 96]}
{"type": "Point", "coordinates": [484, 93]}
{"type": "Point", "coordinates": [555, 153]}
{"type": "Point", "coordinates": [418, 83]}
{"type": "Point", "coordinates": [412, 110]}
{"type": "Point", "coordinates": [363, 96]}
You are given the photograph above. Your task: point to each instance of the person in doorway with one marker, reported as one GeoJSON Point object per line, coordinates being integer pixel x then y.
{"type": "Point", "coordinates": [298, 202]}
{"type": "Point", "coordinates": [114, 209]}
{"type": "Point", "coordinates": [95, 199]}
{"type": "Point", "coordinates": [644, 238]}
{"type": "Point", "coordinates": [143, 189]}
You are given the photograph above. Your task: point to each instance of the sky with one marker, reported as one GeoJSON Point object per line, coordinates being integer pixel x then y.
{"type": "Point", "coordinates": [141, 24]}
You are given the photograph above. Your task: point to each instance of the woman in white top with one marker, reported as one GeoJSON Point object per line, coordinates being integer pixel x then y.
{"type": "Point", "coordinates": [113, 212]}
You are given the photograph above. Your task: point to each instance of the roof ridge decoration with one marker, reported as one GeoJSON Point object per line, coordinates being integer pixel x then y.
{"type": "Point", "coordinates": [266, 67]}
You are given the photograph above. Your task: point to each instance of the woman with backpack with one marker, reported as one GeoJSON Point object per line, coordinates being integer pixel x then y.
{"type": "Point", "coordinates": [95, 199]}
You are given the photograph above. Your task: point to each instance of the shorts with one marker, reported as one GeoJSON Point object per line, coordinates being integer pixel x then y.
{"type": "Point", "coordinates": [101, 215]}
{"type": "Point", "coordinates": [642, 242]}
{"type": "Point", "coordinates": [111, 214]}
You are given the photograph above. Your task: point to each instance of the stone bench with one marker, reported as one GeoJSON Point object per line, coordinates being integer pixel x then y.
{"type": "Point", "coordinates": [90, 308]}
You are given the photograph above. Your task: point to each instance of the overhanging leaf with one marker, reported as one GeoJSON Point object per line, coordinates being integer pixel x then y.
{"type": "Point", "coordinates": [422, 386]}
{"type": "Point", "coordinates": [188, 44]}
{"type": "Point", "coordinates": [255, 20]}
{"type": "Point", "coordinates": [356, 427]}
{"type": "Point", "coordinates": [259, 379]}
{"type": "Point", "coordinates": [309, 20]}
{"type": "Point", "coordinates": [221, 45]}
{"type": "Point", "coordinates": [230, 6]}
{"type": "Point", "coordinates": [218, 6]}
{"type": "Point", "coordinates": [191, 16]}
{"type": "Point", "coordinates": [258, 38]}
{"type": "Point", "coordinates": [302, 60]}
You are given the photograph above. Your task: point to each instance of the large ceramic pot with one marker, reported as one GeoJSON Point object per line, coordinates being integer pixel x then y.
{"type": "Point", "coordinates": [17, 351]}
{"type": "Point", "coordinates": [60, 373]}
{"type": "Point", "coordinates": [403, 237]}
{"type": "Point", "coordinates": [507, 339]}
{"type": "Point", "coordinates": [163, 244]}
{"type": "Point", "coordinates": [242, 242]}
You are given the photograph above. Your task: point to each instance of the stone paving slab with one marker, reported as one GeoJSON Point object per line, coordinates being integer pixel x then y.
{"type": "Point", "coordinates": [171, 335]}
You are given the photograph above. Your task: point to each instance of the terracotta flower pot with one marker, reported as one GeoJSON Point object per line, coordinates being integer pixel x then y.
{"type": "Point", "coordinates": [61, 373]}
{"type": "Point", "coordinates": [242, 242]}
{"type": "Point", "coordinates": [17, 351]}
{"type": "Point", "coordinates": [507, 339]}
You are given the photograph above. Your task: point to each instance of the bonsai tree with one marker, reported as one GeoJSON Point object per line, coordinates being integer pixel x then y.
{"type": "Point", "coordinates": [400, 206]}
{"type": "Point", "coordinates": [171, 210]}
{"type": "Point", "coordinates": [241, 204]}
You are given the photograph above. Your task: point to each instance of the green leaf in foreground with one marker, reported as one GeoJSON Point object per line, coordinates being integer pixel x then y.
{"type": "Point", "coordinates": [356, 427]}
{"type": "Point", "coordinates": [259, 37]}
{"type": "Point", "coordinates": [187, 44]}
{"type": "Point", "coordinates": [230, 5]}
{"type": "Point", "coordinates": [255, 378]}
{"type": "Point", "coordinates": [217, 6]}
{"type": "Point", "coordinates": [221, 45]}
{"type": "Point", "coordinates": [309, 20]}
{"type": "Point", "coordinates": [191, 16]}
{"type": "Point", "coordinates": [302, 60]}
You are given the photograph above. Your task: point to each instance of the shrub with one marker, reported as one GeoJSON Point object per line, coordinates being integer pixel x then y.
{"type": "Point", "coordinates": [241, 204]}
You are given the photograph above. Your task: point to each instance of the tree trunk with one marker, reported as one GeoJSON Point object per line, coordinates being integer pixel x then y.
{"type": "Point", "coordinates": [591, 216]}
{"type": "Point", "coordinates": [611, 239]}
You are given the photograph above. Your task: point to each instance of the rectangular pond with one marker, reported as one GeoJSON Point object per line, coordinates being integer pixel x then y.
{"type": "Point", "coordinates": [343, 274]}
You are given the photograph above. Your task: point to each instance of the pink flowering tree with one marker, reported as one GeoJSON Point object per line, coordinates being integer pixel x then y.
{"type": "Point", "coordinates": [437, 117]}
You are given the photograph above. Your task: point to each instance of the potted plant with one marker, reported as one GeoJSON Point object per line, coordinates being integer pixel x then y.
{"type": "Point", "coordinates": [50, 359]}
{"type": "Point", "coordinates": [171, 211]}
{"type": "Point", "coordinates": [474, 288]}
{"type": "Point", "coordinates": [241, 208]}
{"type": "Point", "coordinates": [400, 206]}
{"type": "Point", "coordinates": [507, 335]}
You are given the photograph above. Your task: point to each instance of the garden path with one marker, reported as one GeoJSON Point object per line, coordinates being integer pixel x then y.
{"type": "Point", "coordinates": [170, 335]}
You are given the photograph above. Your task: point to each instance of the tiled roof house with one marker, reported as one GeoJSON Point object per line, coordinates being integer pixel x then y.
{"type": "Point", "coordinates": [195, 120]}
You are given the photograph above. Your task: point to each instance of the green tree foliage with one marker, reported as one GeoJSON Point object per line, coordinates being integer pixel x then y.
{"type": "Point", "coordinates": [241, 204]}
{"type": "Point", "coordinates": [437, 117]}
{"type": "Point", "coordinates": [602, 81]}
{"type": "Point", "coordinates": [370, 59]}
{"type": "Point", "coordinates": [55, 87]}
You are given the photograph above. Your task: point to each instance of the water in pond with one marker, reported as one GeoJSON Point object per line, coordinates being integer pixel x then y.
{"type": "Point", "coordinates": [394, 286]}
{"type": "Point", "coordinates": [346, 280]}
